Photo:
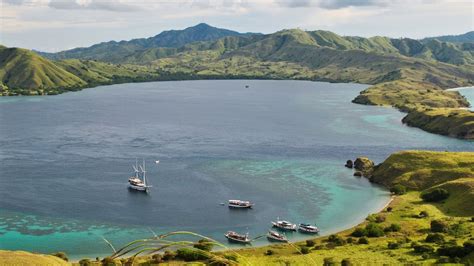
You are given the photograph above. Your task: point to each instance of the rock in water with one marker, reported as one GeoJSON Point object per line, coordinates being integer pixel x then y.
{"type": "Point", "coordinates": [364, 165]}
{"type": "Point", "coordinates": [357, 173]}
{"type": "Point", "coordinates": [349, 164]}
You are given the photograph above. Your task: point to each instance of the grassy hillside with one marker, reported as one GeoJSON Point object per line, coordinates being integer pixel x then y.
{"type": "Point", "coordinates": [123, 51]}
{"type": "Point", "coordinates": [23, 72]}
{"type": "Point", "coordinates": [446, 121]}
{"type": "Point", "coordinates": [460, 201]}
{"type": "Point", "coordinates": [22, 69]}
{"type": "Point", "coordinates": [16, 258]}
{"type": "Point", "coordinates": [420, 170]}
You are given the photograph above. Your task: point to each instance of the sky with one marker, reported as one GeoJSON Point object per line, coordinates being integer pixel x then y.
{"type": "Point", "coordinates": [55, 25]}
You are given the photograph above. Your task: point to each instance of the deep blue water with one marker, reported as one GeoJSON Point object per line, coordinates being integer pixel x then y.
{"type": "Point", "coordinates": [65, 160]}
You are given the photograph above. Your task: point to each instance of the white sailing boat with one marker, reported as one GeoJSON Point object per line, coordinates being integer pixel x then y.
{"type": "Point", "coordinates": [137, 183]}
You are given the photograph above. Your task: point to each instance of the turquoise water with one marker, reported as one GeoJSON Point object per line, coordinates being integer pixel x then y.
{"type": "Point", "coordinates": [280, 144]}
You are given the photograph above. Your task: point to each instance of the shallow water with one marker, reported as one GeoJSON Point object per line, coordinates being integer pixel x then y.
{"type": "Point", "coordinates": [65, 160]}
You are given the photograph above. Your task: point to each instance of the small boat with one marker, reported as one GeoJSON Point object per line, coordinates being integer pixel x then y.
{"type": "Point", "coordinates": [246, 86]}
{"type": "Point", "coordinates": [240, 204]}
{"type": "Point", "coordinates": [137, 183]}
{"type": "Point", "coordinates": [234, 237]}
{"type": "Point", "coordinates": [275, 236]}
{"type": "Point", "coordinates": [308, 229]}
{"type": "Point", "coordinates": [284, 225]}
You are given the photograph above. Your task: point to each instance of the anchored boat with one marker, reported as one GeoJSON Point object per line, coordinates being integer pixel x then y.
{"type": "Point", "coordinates": [235, 237]}
{"type": "Point", "coordinates": [308, 229]}
{"type": "Point", "coordinates": [275, 236]}
{"type": "Point", "coordinates": [137, 183]}
{"type": "Point", "coordinates": [284, 225]}
{"type": "Point", "coordinates": [240, 204]}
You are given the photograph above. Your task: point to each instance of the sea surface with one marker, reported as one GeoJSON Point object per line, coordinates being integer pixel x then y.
{"type": "Point", "coordinates": [65, 161]}
{"type": "Point", "coordinates": [468, 92]}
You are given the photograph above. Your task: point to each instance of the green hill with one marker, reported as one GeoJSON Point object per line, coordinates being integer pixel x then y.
{"type": "Point", "coordinates": [420, 170]}
{"type": "Point", "coordinates": [144, 51]}
{"type": "Point", "coordinates": [466, 37]}
{"type": "Point", "coordinates": [16, 258]}
{"type": "Point", "coordinates": [460, 201]}
{"type": "Point", "coordinates": [122, 51]}
{"type": "Point", "coordinates": [25, 70]}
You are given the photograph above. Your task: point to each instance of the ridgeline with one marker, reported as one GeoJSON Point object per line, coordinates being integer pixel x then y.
{"type": "Point", "coordinates": [411, 75]}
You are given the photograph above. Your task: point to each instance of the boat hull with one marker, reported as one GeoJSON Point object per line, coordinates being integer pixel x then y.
{"type": "Point", "coordinates": [304, 231]}
{"type": "Point", "coordinates": [138, 188]}
{"type": "Point", "coordinates": [284, 228]}
{"type": "Point", "coordinates": [240, 207]}
{"type": "Point", "coordinates": [272, 239]}
{"type": "Point", "coordinates": [233, 240]}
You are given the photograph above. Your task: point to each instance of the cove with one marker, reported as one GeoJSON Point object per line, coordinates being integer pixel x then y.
{"type": "Point", "coordinates": [65, 160]}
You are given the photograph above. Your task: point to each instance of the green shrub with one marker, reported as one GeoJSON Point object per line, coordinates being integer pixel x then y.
{"type": "Point", "coordinates": [269, 252]}
{"type": "Point", "coordinates": [363, 240]}
{"type": "Point", "coordinates": [337, 240]}
{"type": "Point", "coordinates": [359, 232]}
{"type": "Point", "coordinates": [439, 226]}
{"type": "Point", "coordinates": [423, 248]}
{"type": "Point", "coordinates": [85, 262]}
{"type": "Point", "coordinates": [435, 238]}
{"type": "Point", "coordinates": [350, 240]}
{"type": "Point", "coordinates": [458, 229]}
{"type": "Point", "coordinates": [188, 254]}
{"type": "Point", "coordinates": [393, 228]}
{"type": "Point", "coordinates": [310, 243]}
{"type": "Point", "coordinates": [398, 189]}
{"type": "Point", "coordinates": [305, 250]}
{"type": "Point", "coordinates": [204, 244]}
{"type": "Point", "coordinates": [393, 245]}
{"type": "Point", "coordinates": [329, 262]}
{"type": "Point", "coordinates": [169, 255]}
{"type": "Point", "coordinates": [374, 230]}
{"type": "Point", "coordinates": [61, 255]}
{"type": "Point", "coordinates": [435, 195]}
{"type": "Point", "coordinates": [346, 262]}
{"type": "Point", "coordinates": [231, 257]}
{"type": "Point", "coordinates": [453, 251]}
{"type": "Point", "coordinates": [157, 258]}
{"type": "Point", "coordinates": [108, 261]}
{"type": "Point", "coordinates": [469, 245]}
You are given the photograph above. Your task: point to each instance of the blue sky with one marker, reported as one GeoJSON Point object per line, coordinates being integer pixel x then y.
{"type": "Point", "coordinates": [54, 25]}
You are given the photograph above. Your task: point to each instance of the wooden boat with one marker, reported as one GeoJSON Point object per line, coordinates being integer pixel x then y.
{"type": "Point", "coordinates": [240, 204]}
{"type": "Point", "coordinates": [284, 225]}
{"type": "Point", "coordinates": [308, 229]}
{"type": "Point", "coordinates": [275, 236]}
{"type": "Point", "coordinates": [237, 238]}
{"type": "Point", "coordinates": [137, 183]}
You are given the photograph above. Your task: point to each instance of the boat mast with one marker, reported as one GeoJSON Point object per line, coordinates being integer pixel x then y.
{"type": "Point", "coordinates": [144, 173]}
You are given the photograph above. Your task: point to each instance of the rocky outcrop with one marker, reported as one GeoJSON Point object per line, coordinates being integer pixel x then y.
{"type": "Point", "coordinates": [364, 165]}
{"type": "Point", "coordinates": [349, 164]}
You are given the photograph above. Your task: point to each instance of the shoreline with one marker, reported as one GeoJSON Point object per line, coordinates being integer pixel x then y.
{"type": "Point", "coordinates": [237, 248]}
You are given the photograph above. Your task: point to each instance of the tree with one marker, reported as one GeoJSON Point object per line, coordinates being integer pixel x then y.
{"type": "Point", "coordinates": [439, 226]}
{"type": "Point", "coordinates": [435, 238]}
{"type": "Point", "coordinates": [374, 230]}
{"type": "Point", "coordinates": [398, 189]}
{"type": "Point", "coordinates": [435, 195]}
